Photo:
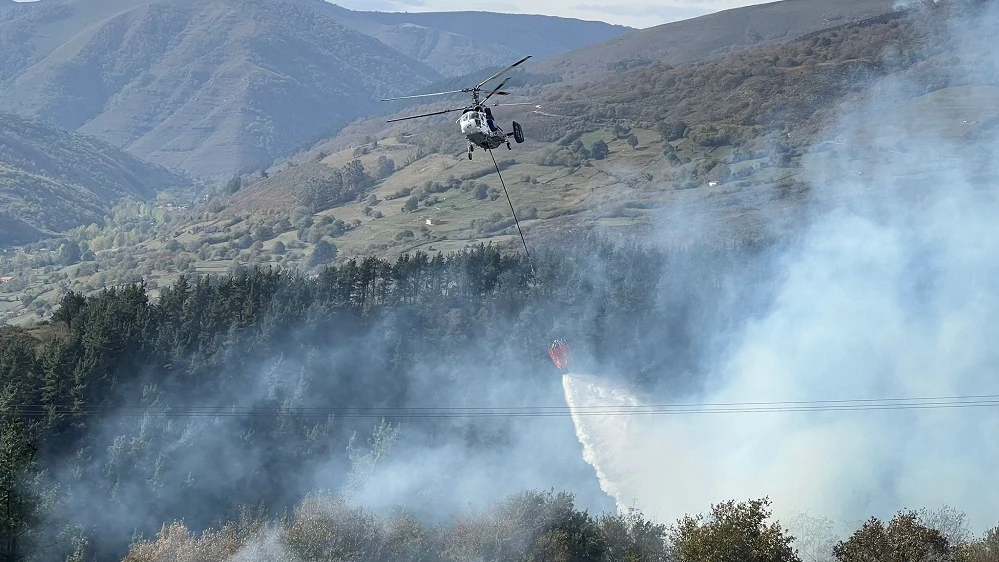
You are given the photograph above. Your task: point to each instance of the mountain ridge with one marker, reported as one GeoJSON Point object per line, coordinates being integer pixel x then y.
{"type": "Point", "coordinates": [217, 87]}
{"type": "Point", "coordinates": [160, 79]}
{"type": "Point", "coordinates": [712, 34]}
{"type": "Point", "coordinates": [543, 37]}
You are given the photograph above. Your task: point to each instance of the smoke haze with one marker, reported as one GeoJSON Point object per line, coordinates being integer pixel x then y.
{"type": "Point", "coordinates": [889, 294]}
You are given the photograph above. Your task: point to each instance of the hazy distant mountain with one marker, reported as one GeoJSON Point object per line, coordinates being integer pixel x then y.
{"type": "Point", "coordinates": [206, 86]}
{"type": "Point", "coordinates": [448, 53]}
{"type": "Point", "coordinates": [52, 180]}
{"type": "Point", "coordinates": [457, 43]}
{"type": "Point", "coordinates": [214, 87]}
{"type": "Point", "coordinates": [706, 36]}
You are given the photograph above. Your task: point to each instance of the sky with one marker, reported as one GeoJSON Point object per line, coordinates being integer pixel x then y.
{"type": "Point", "coordinates": [633, 13]}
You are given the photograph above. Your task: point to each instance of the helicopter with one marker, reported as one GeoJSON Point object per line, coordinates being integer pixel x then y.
{"type": "Point", "coordinates": [476, 121]}
{"type": "Point", "coordinates": [480, 130]}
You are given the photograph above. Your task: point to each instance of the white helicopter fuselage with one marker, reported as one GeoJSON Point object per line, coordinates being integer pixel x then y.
{"type": "Point", "coordinates": [480, 131]}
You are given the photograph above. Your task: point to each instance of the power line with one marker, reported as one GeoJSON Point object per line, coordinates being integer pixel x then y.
{"type": "Point", "coordinates": [882, 404]}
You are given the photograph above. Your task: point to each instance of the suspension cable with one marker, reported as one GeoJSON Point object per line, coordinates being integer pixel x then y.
{"type": "Point", "coordinates": [515, 220]}
{"type": "Point", "coordinates": [530, 262]}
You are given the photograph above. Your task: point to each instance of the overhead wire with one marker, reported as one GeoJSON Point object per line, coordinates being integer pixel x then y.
{"type": "Point", "coordinates": [615, 410]}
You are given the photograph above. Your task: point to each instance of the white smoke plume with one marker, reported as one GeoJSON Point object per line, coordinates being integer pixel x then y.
{"type": "Point", "coordinates": [889, 294]}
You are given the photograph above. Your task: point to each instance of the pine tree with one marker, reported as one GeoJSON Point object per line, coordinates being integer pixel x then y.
{"type": "Point", "coordinates": [18, 503]}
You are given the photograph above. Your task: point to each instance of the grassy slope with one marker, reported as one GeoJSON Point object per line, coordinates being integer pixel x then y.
{"type": "Point", "coordinates": [793, 87]}
{"type": "Point", "coordinates": [681, 43]}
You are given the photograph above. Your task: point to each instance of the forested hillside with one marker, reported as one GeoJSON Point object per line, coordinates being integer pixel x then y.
{"type": "Point", "coordinates": [130, 409]}
{"type": "Point", "coordinates": [53, 180]}
{"type": "Point", "coordinates": [229, 401]}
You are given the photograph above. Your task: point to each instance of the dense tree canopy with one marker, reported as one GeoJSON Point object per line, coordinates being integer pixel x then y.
{"type": "Point", "coordinates": [734, 532]}
{"type": "Point", "coordinates": [99, 405]}
{"type": "Point", "coordinates": [100, 388]}
{"type": "Point", "coordinates": [904, 539]}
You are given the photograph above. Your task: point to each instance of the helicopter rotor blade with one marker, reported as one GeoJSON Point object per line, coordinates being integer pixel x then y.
{"type": "Point", "coordinates": [476, 88]}
{"type": "Point", "coordinates": [479, 85]}
{"type": "Point", "coordinates": [425, 115]}
{"type": "Point", "coordinates": [425, 95]}
{"type": "Point", "coordinates": [495, 90]}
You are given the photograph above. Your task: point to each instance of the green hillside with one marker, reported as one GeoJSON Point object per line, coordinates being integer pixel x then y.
{"type": "Point", "coordinates": [52, 180]}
